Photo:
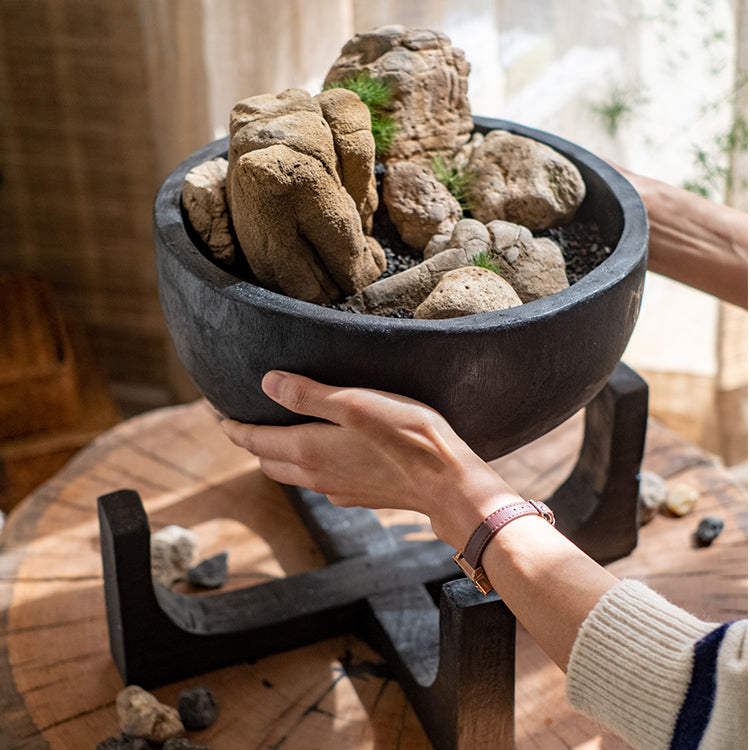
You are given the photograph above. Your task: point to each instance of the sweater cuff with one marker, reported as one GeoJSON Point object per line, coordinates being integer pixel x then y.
{"type": "Point", "coordinates": [631, 663]}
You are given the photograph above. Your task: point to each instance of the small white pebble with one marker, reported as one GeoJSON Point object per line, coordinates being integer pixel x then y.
{"type": "Point", "coordinates": [652, 492]}
{"type": "Point", "coordinates": [681, 499]}
{"type": "Point", "coordinates": [172, 552]}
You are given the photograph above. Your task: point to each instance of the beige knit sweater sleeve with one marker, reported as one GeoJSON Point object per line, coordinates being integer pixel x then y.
{"type": "Point", "coordinates": [632, 664]}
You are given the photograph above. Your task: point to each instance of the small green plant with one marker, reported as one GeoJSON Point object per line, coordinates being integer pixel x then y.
{"type": "Point", "coordinates": [457, 179]}
{"type": "Point", "coordinates": [378, 97]}
{"type": "Point", "coordinates": [616, 108]}
{"type": "Point", "coordinates": [489, 261]}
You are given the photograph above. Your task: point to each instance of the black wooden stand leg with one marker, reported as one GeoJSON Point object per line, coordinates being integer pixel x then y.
{"type": "Point", "coordinates": [455, 662]}
{"type": "Point", "coordinates": [456, 667]}
{"type": "Point", "coordinates": [597, 506]}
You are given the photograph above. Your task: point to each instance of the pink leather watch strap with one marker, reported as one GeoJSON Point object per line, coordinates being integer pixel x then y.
{"type": "Point", "coordinates": [470, 560]}
{"type": "Point", "coordinates": [481, 536]}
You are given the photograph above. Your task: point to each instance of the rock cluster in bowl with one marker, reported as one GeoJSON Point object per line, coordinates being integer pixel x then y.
{"type": "Point", "coordinates": [297, 194]}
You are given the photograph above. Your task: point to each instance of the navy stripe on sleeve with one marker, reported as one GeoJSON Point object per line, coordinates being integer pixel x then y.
{"type": "Point", "coordinates": [699, 699]}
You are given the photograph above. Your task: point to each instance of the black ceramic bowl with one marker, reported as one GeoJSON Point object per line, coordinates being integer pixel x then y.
{"type": "Point", "coordinates": [500, 378]}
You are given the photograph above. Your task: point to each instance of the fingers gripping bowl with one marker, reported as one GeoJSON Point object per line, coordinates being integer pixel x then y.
{"type": "Point", "coordinates": [500, 378]}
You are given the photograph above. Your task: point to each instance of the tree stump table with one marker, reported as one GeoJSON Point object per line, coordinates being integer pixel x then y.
{"type": "Point", "coordinates": [57, 678]}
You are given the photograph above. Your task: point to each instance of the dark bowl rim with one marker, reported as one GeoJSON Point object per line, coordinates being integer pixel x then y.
{"type": "Point", "coordinates": [626, 256]}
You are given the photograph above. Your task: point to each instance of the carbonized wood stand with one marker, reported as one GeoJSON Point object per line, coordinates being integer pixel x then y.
{"type": "Point", "coordinates": [58, 680]}
{"type": "Point", "coordinates": [455, 661]}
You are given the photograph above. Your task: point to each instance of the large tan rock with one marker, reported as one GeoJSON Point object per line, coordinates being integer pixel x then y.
{"type": "Point", "coordinates": [297, 225]}
{"type": "Point", "coordinates": [428, 78]}
{"type": "Point", "coordinates": [418, 204]}
{"type": "Point", "coordinates": [520, 180]}
{"type": "Point", "coordinates": [535, 267]}
{"type": "Point", "coordinates": [349, 120]}
{"type": "Point", "coordinates": [467, 291]}
{"type": "Point", "coordinates": [204, 200]}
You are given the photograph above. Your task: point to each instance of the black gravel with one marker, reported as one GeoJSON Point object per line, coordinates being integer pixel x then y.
{"type": "Point", "coordinates": [582, 247]}
{"type": "Point", "coordinates": [580, 242]}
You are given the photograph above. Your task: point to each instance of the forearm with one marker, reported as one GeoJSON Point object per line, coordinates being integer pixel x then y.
{"type": "Point", "coordinates": [380, 450]}
{"type": "Point", "coordinates": [695, 241]}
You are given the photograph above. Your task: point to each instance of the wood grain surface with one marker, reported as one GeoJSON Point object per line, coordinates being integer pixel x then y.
{"type": "Point", "coordinates": [57, 680]}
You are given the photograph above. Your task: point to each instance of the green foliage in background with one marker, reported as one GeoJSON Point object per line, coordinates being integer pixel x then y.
{"type": "Point", "coordinates": [617, 107]}
{"type": "Point", "coordinates": [378, 97]}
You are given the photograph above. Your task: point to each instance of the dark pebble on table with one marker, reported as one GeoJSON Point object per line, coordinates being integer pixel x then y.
{"type": "Point", "coordinates": [198, 707]}
{"type": "Point", "coordinates": [210, 573]}
{"type": "Point", "coordinates": [123, 742]}
{"type": "Point", "coordinates": [708, 529]}
{"type": "Point", "coordinates": [180, 743]}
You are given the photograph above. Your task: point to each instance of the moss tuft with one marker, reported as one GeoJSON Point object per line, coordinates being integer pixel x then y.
{"type": "Point", "coordinates": [488, 261]}
{"type": "Point", "coordinates": [377, 95]}
{"type": "Point", "coordinates": [456, 177]}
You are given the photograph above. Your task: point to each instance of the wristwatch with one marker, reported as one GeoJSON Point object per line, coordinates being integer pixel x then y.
{"type": "Point", "coordinates": [470, 558]}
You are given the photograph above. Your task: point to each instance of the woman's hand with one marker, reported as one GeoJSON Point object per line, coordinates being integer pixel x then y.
{"type": "Point", "coordinates": [377, 450]}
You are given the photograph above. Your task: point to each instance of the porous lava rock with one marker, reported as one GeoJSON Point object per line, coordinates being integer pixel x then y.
{"type": "Point", "coordinates": [142, 715]}
{"type": "Point", "coordinates": [296, 223]}
{"type": "Point", "coordinates": [523, 181]}
{"type": "Point", "coordinates": [428, 79]}
{"type": "Point", "coordinates": [418, 204]}
{"type": "Point", "coordinates": [534, 267]}
{"type": "Point", "coordinates": [467, 291]}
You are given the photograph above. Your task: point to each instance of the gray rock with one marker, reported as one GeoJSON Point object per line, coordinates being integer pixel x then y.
{"type": "Point", "coordinates": [198, 707]}
{"type": "Point", "coordinates": [520, 180]}
{"type": "Point", "coordinates": [535, 268]}
{"type": "Point", "coordinates": [652, 494]}
{"type": "Point", "coordinates": [467, 291]}
{"type": "Point", "coordinates": [210, 573]}
{"type": "Point", "coordinates": [172, 552]}
{"type": "Point", "coordinates": [142, 715]}
{"type": "Point", "coordinates": [429, 81]}
{"type": "Point", "coordinates": [418, 204]}
{"type": "Point", "coordinates": [708, 529]}
{"type": "Point", "coordinates": [205, 201]}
